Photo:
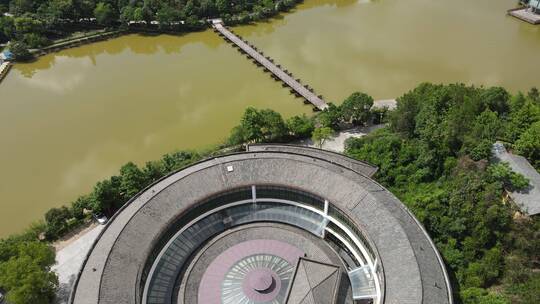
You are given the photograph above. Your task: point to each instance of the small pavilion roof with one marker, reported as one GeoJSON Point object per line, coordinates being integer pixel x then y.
{"type": "Point", "coordinates": [528, 200]}
{"type": "Point", "coordinates": [314, 283]}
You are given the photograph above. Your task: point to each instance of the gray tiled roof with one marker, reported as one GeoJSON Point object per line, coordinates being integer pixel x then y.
{"type": "Point", "coordinates": [359, 166]}
{"type": "Point", "coordinates": [528, 200]}
{"type": "Point", "coordinates": [314, 283]}
{"type": "Point", "coordinates": [412, 270]}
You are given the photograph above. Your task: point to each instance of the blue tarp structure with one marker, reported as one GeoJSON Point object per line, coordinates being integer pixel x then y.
{"type": "Point", "coordinates": [7, 55]}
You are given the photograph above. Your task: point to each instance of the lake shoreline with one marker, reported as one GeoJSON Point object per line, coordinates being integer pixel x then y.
{"type": "Point", "coordinates": [136, 28]}
{"type": "Point", "coordinates": [80, 114]}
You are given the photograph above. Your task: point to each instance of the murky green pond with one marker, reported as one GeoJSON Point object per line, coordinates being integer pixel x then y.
{"type": "Point", "coordinates": [74, 117]}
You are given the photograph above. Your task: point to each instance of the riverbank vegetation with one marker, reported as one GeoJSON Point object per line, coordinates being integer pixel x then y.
{"type": "Point", "coordinates": [109, 195]}
{"type": "Point", "coordinates": [34, 24]}
{"type": "Point", "coordinates": [434, 155]}
{"type": "Point", "coordinates": [25, 269]}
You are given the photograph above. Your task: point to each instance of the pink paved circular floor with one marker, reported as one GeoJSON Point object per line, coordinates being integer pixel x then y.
{"type": "Point", "coordinates": [250, 272]}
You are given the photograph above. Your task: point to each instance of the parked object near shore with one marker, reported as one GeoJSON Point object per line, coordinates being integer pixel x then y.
{"type": "Point", "coordinates": [529, 13]}
{"type": "Point", "coordinates": [101, 218]}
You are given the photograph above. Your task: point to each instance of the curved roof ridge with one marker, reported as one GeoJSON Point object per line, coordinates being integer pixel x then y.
{"type": "Point", "coordinates": [255, 167]}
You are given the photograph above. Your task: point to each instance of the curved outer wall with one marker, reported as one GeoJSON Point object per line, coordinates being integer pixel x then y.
{"type": "Point", "coordinates": [413, 269]}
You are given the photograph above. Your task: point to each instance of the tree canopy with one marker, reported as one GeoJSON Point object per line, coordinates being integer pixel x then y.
{"type": "Point", "coordinates": [36, 23]}
{"type": "Point", "coordinates": [25, 271]}
{"type": "Point", "coordinates": [357, 108]}
{"type": "Point", "coordinates": [320, 135]}
{"type": "Point", "coordinates": [435, 156]}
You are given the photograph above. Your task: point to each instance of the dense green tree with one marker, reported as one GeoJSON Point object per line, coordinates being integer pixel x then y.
{"type": "Point", "coordinates": [273, 126]}
{"type": "Point", "coordinates": [41, 21]}
{"type": "Point", "coordinates": [496, 99]}
{"type": "Point", "coordinates": [475, 295]}
{"type": "Point", "coordinates": [528, 291]}
{"type": "Point", "coordinates": [435, 157]}
{"type": "Point", "coordinates": [19, 7]}
{"type": "Point", "coordinates": [54, 11]}
{"type": "Point", "coordinates": [382, 149]}
{"type": "Point", "coordinates": [251, 123]}
{"type": "Point", "coordinates": [132, 180]}
{"type": "Point", "coordinates": [481, 150]}
{"type": "Point", "coordinates": [237, 136]}
{"type": "Point", "coordinates": [7, 28]}
{"type": "Point", "coordinates": [534, 94]}
{"type": "Point", "coordinates": [502, 173]}
{"type": "Point", "coordinates": [25, 271]}
{"type": "Point", "coordinates": [34, 41]}
{"type": "Point", "coordinates": [524, 114]}
{"type": "Point", "coordinates": [403, 118]}
{"type": "Point", "coordinates": [79, 206]}
{"type": "Point", "coordinates": [223, 6]}
{"type": "Point", "coordinates": [486, 129]}
{"type": "Point", "coordinates": [107, 196]}
{"type": "Point", "coordinates": [174, 161]}
{"type": "Point", "coordinates": [300, 126]}
{"type": "Point", "coordinates": [24, 25]}
{"type": "Point", "coordinates": [152, 172]}
{"type": "Point", "coordinates": [320, 135]}
{"type": "Point", "coordinates": [357, 108]}
{"type": "Point", "coordinates": [165, 16]}
{"type": "Point", "coordinates": [104, 14]}
{"type": "Point", "coordinates": [528, 144]}
{"type": "Point", "coordinates": [57, 222]}
{"type": "Point", "coordinates": [487, 125]}
{"type": "Point", "coordinates": [330, 117]}
{"type": "Point", "coordinates": [259, 126]}
{"type": "Point", "coordinates": [208, 8]}
{"type": "Point", "coordinates": [127, 13]}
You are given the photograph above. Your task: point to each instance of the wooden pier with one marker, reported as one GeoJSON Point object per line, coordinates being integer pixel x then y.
{"type": "Point", "coordinates": [4, 69]}
{"type": "Point", "coordinates": [277, 71]}
{"type": "Point", "coordinates": [70, 43]}
{"type": "Point", "coordinates": [525, 14]}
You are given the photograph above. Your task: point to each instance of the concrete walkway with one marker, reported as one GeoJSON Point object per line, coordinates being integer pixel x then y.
{"type": "Point", "coordinates": [69, 261]}
{"type": "Point", "coordinates": [337, 142]}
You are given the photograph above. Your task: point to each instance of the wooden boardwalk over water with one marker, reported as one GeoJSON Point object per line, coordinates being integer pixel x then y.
{"type": "Point", "coordinates": [525, 14]}
{"type": "Point", "coordinates": [4, 69]}
{"type": "Point", "coordinates": [299, 89]}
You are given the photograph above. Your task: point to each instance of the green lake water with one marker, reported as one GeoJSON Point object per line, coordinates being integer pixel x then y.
{"type": "Point", "coordinates": [72, 118]}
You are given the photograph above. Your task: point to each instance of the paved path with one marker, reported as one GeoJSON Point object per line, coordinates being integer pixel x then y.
{"type": "Point", "coordinates": [317, 101]}
{"type": "Point", "coordinates": [69, 261]}
{"type": "Point", "coordinates": [337, 142]}
{"type": "Point", "coordinates": [390, 104]}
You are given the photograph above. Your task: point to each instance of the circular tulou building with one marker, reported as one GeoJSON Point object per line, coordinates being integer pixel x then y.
{"type": "Point", "coordinates": [277, 224]}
